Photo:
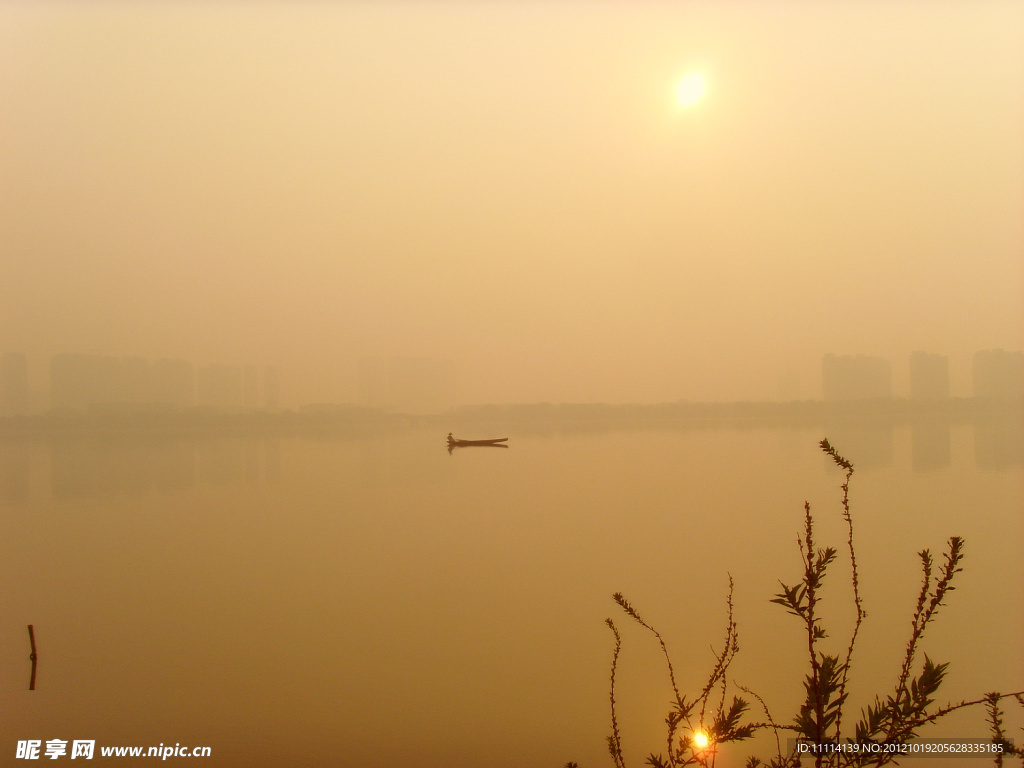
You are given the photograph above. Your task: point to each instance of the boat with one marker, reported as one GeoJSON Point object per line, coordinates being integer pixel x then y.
{"type": "Point", "coordinates": [454, 442]}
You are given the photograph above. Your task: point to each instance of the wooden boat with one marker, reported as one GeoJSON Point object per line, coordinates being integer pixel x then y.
{"type": "Point", "coordinates": [455, 442]}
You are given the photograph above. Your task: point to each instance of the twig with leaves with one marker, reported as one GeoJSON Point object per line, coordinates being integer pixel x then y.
{"type": "Point", "coordinates": [697, 746]}
{"type": "Point", "coordinates": [819, 720]}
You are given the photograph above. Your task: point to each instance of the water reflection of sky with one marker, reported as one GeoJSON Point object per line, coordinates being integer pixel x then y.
{"type": "Point", "coordinates": [86, 466]}
{"type": "Point", "coordinates": [379, 597]}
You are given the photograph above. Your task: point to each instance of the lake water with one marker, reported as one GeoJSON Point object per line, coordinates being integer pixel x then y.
{"type": "Point", "coordinates": [374, 600]}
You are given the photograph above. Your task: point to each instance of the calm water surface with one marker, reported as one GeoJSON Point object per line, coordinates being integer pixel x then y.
{"type": "Point", "coordinates": [377, 601]}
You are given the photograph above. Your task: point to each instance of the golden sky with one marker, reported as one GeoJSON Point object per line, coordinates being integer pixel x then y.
{"type": "Point", "coordinates": [513, 187]}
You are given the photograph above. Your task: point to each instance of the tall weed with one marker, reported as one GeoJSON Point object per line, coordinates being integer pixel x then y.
{"type": "Point", "coordinates": [699, 723]}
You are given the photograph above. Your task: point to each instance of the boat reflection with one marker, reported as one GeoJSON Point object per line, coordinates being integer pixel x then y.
{"type": "Point", "coordinates": [496, 442]}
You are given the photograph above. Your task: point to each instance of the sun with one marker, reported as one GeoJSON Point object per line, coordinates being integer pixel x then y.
{"type": "Point", "coordinates": [690, 89]}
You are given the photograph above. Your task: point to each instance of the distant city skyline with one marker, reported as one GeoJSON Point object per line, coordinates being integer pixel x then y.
{"type": "Point", "coordinates": [78, 382]}
{"type": "Point", "coordinates": [620, 202]}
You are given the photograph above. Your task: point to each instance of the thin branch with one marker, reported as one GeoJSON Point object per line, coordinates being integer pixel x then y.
{"type": "Point", "coordinates": [771, 721]}
{"type": "Point", "coordinates": [628, 608]}
{"type": "Point", "coordinates": [615, 741]}
{"type": "Point", "coordinates": [858, 604]}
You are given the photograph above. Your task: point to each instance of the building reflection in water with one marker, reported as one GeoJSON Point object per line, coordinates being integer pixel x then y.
{"type": "Point", "coordinates": [999, 442]}
{"type": "Point", "coordinates": [930, 441]}
{"type": "Point", "coordinates": [15, 484]}
{"type": "Point", "coordinates": [105, 467]}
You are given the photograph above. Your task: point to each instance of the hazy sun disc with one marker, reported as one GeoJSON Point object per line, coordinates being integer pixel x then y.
{"type": "Point", "coordinates": [690, 89]}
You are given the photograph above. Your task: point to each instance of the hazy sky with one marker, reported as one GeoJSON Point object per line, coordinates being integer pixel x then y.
{"type": "Point", "coordinates": [512, 186]}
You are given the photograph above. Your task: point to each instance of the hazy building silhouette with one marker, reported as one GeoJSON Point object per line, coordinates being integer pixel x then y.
{"type": "Point", "coordinates": [134, 381]}
{"type": "Point", "coordinates": [860, 377]}
{"type": "Point", "coordinates": [80, 382]}
{"type": "Point", "coordinates": [220, 386]}
{"type": "Point", "coordinates": [999, 375]}
{"type": "Point", "coordinates": [86, 383]}
{"type": "Point", "coordinates": [271, 388]}
{"type": "Point", "coordinates": [173, 383]}
{"type": "Point", "coordinates": [14, 384]}
{"type": "Point", "coordinates": [929, 376]}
